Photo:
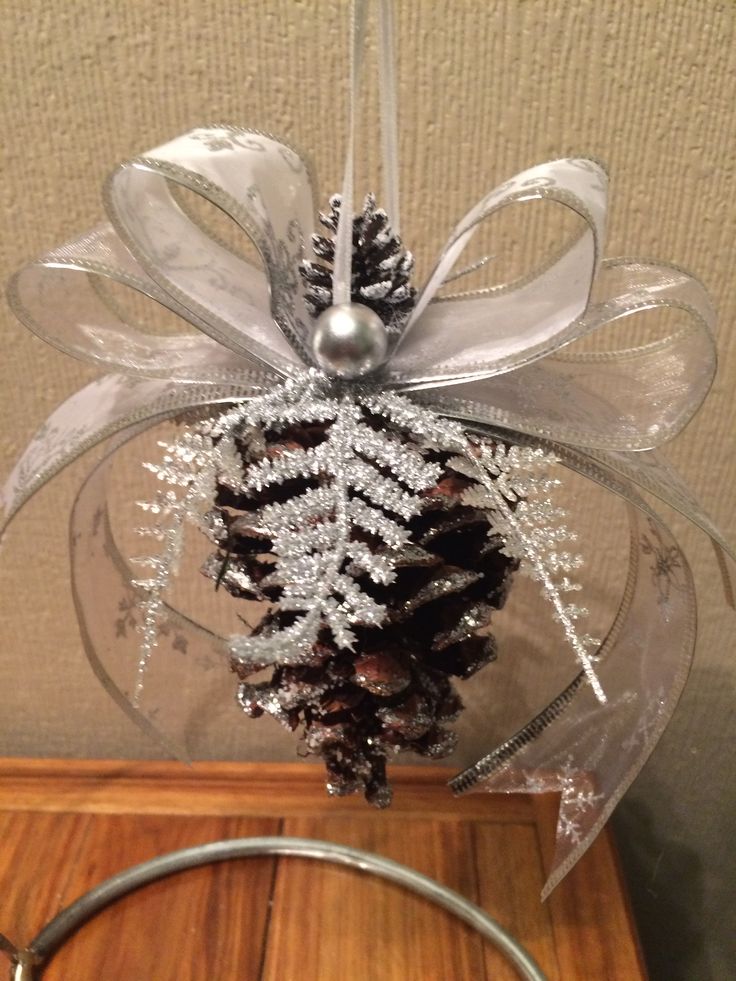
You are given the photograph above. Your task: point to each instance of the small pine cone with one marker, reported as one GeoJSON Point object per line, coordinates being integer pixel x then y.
{"type": "Point", "coordinates": [381, 267]}
{"type": "Point", "coordinates": [394, 692]}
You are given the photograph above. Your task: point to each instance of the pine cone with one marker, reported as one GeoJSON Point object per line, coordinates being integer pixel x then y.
{"type": "Point", "coordinates": [381, 267]}
{"type": "Point", "coordinates": [394, 691]}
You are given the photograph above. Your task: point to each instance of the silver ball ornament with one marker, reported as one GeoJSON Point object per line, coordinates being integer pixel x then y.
{"type": "Point", "coordinates": [349, 340]}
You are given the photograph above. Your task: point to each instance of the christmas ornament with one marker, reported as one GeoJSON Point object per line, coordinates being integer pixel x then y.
{"type": "Point", "coordinates": [371, 463]}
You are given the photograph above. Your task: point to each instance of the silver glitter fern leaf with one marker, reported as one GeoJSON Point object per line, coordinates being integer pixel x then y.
{"type": "Point", "coordinates": [369, 481]}
{"type": "Point", "coordinates": [192, 464]}
{"type": "Point", "coordinates": [512, 485]}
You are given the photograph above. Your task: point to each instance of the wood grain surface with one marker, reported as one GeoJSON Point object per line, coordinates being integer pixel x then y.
{"type": "Point", "coordinates": [66, 826]}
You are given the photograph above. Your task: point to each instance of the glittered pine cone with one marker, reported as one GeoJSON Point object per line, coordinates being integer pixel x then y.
{"type": "Point", "coordinates": [393, 692]}
{"type": "Point", "coordinates": [380, 271]}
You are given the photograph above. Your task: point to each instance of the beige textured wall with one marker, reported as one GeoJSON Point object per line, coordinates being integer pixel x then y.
{"type": "Point", "coordinates": [487, 89]}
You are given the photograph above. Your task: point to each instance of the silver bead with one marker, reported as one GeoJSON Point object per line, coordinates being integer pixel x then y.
{"type": "Point", "coordinates": [349, 340]}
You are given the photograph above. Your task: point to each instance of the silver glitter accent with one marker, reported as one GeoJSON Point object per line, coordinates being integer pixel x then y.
{"type": "Point", "coordinates": [442, 746]}
{"type": "Point", "coordinates": [454, 582]}
{"type": "Point", "coordinates": [369, 480]}
{"type": "Point", "coordinates": [231, 572]}
{"type": "Point", "coordinates": [213, 524]}
{"type": "Point", "coordinates": [361, 479]}
{"type": "Point", "coordinates": [193, 464]}
{"type": "Point", "coordinates": [473, 619]}
{"type": "Point", "coordinates": [415, 556]}
{"type": "Point", "coordinates": [412, 725]}
{"type": "Point", "coordinates": [435, 430]}
{"type": "Point", "coordinates": [577, 797]}
{"type": "Point", "coordinates": [513, 481]}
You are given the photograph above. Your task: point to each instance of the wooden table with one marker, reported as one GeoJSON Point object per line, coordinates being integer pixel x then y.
{"type": "Point", "coordinates": [66, 825]}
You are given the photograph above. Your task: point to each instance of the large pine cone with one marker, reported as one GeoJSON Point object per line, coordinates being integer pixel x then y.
{"type": "Point", "coordinates": [394, 691]}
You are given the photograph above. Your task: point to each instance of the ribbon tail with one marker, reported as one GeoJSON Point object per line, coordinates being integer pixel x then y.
{"type": "Point", "coordinates": [593, 752]}
{"type": "Point", "coordinates": [655, 474]}
{"type": "Point", "coordinates": [101, 409]}
{"type": "Point", "coordinates": [108, 610]}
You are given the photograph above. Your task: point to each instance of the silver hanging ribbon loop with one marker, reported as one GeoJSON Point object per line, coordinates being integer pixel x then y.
{"type": "Point", "coordinates": [342, 278]}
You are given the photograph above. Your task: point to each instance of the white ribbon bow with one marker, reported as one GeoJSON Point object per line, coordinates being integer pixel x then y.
{"type": "Point", "coordinates": [495, 356]}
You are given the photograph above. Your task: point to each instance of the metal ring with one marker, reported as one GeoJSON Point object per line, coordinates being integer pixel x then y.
{"type": "Point", "coordinates": [28, 963]}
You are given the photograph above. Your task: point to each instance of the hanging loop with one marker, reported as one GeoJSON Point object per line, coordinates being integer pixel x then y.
{"type": "Point", "coordinates": [342, 274]}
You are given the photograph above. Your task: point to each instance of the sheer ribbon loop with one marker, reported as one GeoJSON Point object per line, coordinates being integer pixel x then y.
{"type": "Point", "coordinates": [509, 326]}
{"type": "Point", "coordinates": [265, 188]}
{"type": "Point", "coordinates": [65, 299]}
{"type": "Point", "coordinates": [632, 398]}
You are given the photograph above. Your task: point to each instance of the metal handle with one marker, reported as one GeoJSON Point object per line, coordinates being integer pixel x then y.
{"type": "Point", "coordinates": [28, 963]}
